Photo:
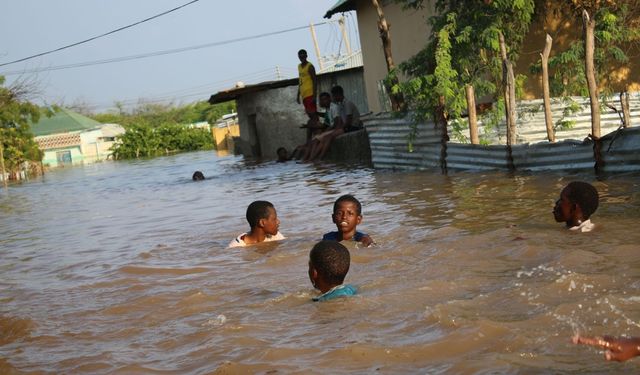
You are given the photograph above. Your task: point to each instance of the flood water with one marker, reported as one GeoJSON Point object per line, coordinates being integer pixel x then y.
{"type": "Point", "coordinates": [122, 268]}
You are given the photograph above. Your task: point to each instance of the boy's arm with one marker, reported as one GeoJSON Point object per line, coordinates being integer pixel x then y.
{"type": "Point", "coordinates": [617, 348]}
{"type": "Point", "coordinates": [367, 241]}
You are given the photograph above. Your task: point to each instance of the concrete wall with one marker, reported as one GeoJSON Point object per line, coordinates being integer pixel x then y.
{"type": "Point", "coordinates": [409, 34]}
{"type": "Point", "coordinates": [350, 148]}
{"type": "Point", "coordinates": [277, 118]}
{"type": "Point", "coordinates": [51, 159]}
{"type": "Point", "coordinates": [566, 29]}
{"type": "Point", "coordinates": [93, 148]}
{"type": "Point", "coordinates": [223, 136]}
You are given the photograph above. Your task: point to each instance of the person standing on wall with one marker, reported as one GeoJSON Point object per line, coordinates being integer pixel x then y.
{"type": "Point", "coordinates": [307, 87]}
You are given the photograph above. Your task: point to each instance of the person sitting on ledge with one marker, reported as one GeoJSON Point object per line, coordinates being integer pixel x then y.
{"type": "Point", "coordinates": [578, 201]}
{"type": "Point", "coordinates": [346, 118]}
{"type": "Point", "coordinates": [328, 266]}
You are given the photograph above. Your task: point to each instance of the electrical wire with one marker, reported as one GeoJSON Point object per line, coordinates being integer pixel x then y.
{"type": "Point", "coordinates": [99, 36]}
{"type": "Point", "coordinates": [157, 53]}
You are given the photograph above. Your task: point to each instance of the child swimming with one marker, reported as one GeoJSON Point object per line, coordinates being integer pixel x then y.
{"type": "Point", "coordinates": [328, 266]}
{"type": "Point", "coordinates": [578, 201]}
{"type": "Point", "coordinates": [264, 223]}
{"type": "Point", "coordinates": [347, 214]}
{"type": "Point", "coordinates": [616, 348]}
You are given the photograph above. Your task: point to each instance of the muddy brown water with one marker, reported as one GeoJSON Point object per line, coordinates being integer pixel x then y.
{"type": "Point", "coordinates": [122, 268]}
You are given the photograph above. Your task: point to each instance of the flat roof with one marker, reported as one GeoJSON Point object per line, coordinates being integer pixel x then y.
{"type": "Point", "coordinates": [234, 93]}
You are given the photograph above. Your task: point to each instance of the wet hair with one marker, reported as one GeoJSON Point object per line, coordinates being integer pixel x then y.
{"type": "Point", "coordinates": [302, 51]}
{"type": "Point", "coordinates": [324, 94]}
{"type": "Point", "coordinates": [258, 210]}
{"type": "Point", "coordinates": [197, 176]}
{"type": "Point", "coordinates": [331, 259]}
{"type": "Point", "coordinates": [337, 90]}
{"type": "Point", "coordinates": [348, 198]}
{"type": "Point", "coordinates": [584, 195]}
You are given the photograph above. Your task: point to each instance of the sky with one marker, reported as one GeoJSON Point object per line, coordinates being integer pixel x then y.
{"type": "Point", "coordinates": [30, 27]}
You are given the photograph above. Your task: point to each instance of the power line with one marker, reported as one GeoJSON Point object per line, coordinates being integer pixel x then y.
{"type": "Point", "coordinates": [199, 90]}
{"type": "Point", "coordinates": [157, 53]}
{"type": "Point", "coordinates": [99, 36]}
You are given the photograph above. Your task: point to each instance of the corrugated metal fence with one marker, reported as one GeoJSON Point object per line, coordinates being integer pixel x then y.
{"type": "Point", "coordinates": [389, 138]}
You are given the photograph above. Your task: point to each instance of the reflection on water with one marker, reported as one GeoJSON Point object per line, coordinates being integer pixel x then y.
{"type": "Point", "coordinates": [121, 267]}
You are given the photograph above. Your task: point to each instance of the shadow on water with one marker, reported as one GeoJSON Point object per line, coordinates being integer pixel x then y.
{"type": "Point", "coordinates": [123, 267]}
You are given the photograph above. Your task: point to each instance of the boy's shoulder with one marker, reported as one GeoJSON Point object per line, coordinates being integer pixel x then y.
{"type": "Point", "coordinates": [333, 236]}
{"type": "Point", "coordinates": [344, 290]}
{"type": "Point", "coordinates": [238, 241]}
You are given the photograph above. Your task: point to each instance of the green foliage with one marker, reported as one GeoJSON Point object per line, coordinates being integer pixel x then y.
{"type": "Point", "coordinates": [163, 113]}
{"type": "Point", "coordinates": [157, 129]}
{"type": "Point", "coordinates": [141, 139]}
{"type": "Point", "coordinates": [617, 33]}
{"type": "Point", "coordinates": [15, 131]}
{"type": "Point", "coordinates": [463, 49]}
{"type": "Point", "coordinates": [571, 107]}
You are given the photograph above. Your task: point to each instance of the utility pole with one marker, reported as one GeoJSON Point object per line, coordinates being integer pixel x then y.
{"type": "Point", "coordinates": [344, 35]}
{"type": "Point", "coordinates": [4, 176]}
{"type": "Point", "coordinates": [315, 44]}
{"type": "Point", "coordinates": [278, 76]}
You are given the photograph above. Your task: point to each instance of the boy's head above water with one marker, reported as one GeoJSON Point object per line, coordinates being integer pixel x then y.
{"type": "Point", "coordinates": [262, 215]}
{"type": "Point", "coordinates": [328, 265]}
{"type": "Point", "coordinates": [578, 201]}
{"type": "Point", "coordinates": [347, 213]}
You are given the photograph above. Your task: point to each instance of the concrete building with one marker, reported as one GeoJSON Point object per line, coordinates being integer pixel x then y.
{"type": "Point", "coordinates": [269, 116]}
{"type": "Point", "coordinates": [69, 138]}
{"type": "Point", "coordinates": [410, 32]}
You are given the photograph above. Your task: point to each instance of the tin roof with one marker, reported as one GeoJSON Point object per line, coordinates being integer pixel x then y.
{"type": "Point", "coordinates": [63, 121]}
{"type": "Point", "coordinates": [340, 7]}
{"type": "Point", "coordinates": [234, 93]}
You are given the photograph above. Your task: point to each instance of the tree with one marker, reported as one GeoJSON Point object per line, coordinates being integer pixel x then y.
{"type": "Point", "coordinates": [16, 113]}
{"type": "Point", "coordinates": [463, 49]}
{"type": "Point", "coordinates": [617, 36]}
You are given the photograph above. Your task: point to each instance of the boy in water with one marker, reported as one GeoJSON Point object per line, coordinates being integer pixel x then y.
{"type": "Point", "coordinates": [264, 223]}
{"type": "Point", "coordinates": [197, 176]}
{"type": "Point", "coordinates": [578, 201]}
{"type": "Point", "coordinates": [347, 214]}
{"type": "Point", "coordinates": [328, 265]}
{"type": "Point", "coordinates": [617, 349]}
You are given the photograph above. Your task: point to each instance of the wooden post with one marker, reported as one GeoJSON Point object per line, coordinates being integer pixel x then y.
{"type": "Point", "coordinates": [473, 119]}
{"type": "Point", "coordinates": [441, 124]}
{"type": "Point", "coordinates": [509, 93]}
{"type": "Point", "coordinates": [2, 169]}
{"type": "Point", "coordinates": [624, 102]}
{"type": "Point", "coordinates": [397, 100]}
{"type": "Point", "coordinates": [548, 119]}
{"type": "Point", "coordinates": [344, 36]}
{"type": "Point", "coordinates": [315, 45]}
{"type": "Point", "coordinates": [589, 26]}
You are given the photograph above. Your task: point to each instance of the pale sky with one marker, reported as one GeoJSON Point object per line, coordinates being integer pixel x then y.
{"type": "Point", "coordinates": [29, 27]}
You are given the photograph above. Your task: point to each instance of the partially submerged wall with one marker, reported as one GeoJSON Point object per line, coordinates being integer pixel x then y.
{"type": "Point", "coordinates": [619, 149]}
{"type": "Point", "coordinates": [270, 119]}
{"type": "Point", "coordinates": [351, 148]}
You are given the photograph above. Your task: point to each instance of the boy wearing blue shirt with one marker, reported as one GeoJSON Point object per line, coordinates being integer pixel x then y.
{"type": "Point", "coordinates": [347, 214]}
{"type": "Point", "coordinates": [328, 266]}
